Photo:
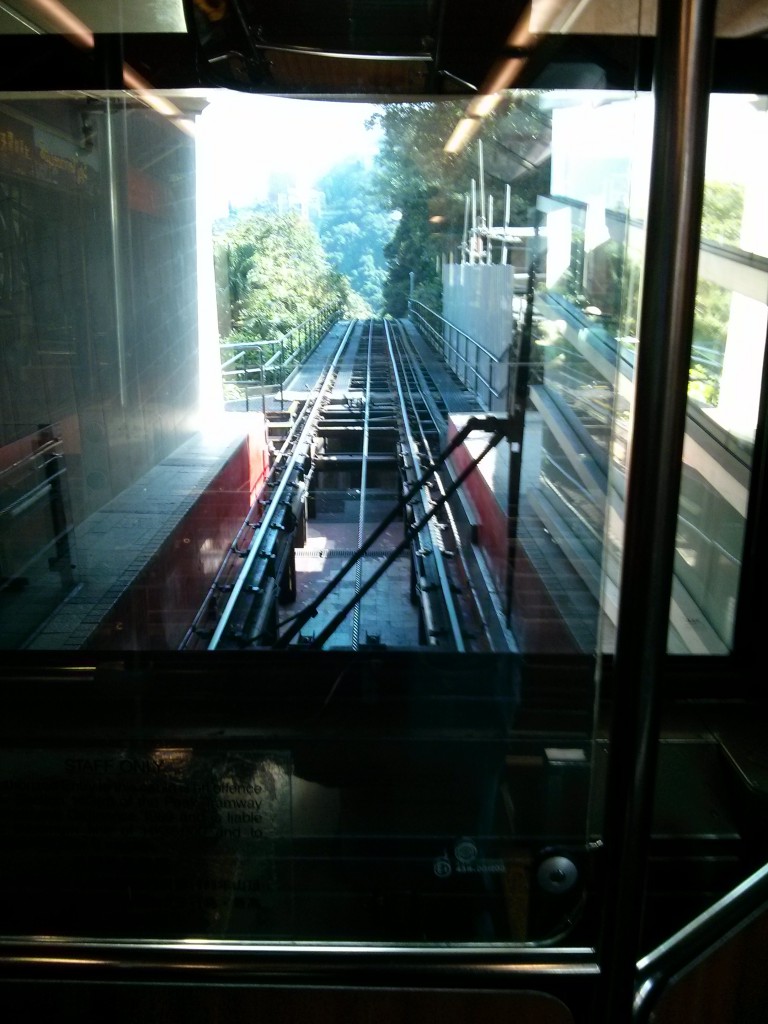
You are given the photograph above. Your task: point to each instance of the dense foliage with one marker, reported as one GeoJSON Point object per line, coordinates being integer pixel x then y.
{"type": "Point", "coordinates": [379, 230]}
{"type": "Point", "coordinates": [273, 275]}
{"type": "Point", "coordinates": [723, 212]}
{"type": "Point", "coordinates": [428, 189]}
{"type": "Point", "coordinates": [354, 227]}
{"type": "Point", "coordinates": [721, 222]}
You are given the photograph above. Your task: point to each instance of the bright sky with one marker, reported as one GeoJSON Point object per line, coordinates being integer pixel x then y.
{"type": "Point", "coordinates": [244, 138]}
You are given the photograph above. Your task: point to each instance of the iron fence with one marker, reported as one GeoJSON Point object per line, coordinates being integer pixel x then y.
{"type": "Point", "coordinates": [268, 364]}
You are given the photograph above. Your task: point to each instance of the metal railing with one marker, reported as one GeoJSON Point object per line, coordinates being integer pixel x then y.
{"type": "Point", "coordinates": [32, 490]}
{"type": "Point", "coordinates": [269, 363]}
{"type": "Point", "coordinates": [700, 938]}
{"type": "Point", "coordinates": [484, 373]}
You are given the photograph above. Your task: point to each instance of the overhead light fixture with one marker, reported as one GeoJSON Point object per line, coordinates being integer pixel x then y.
{"type": "Point", "coordinates": [502, 74]}
{"type": "Point", "coordinates": [483, 104]}
{"type": "Point", "coordinates": [72, 28]}
{"type": "Point", "coordinates": [465, 130]}
{"type": "Point", "coordinates": [143, 90]}
{"type": "Point", "coordinates": [67, 23]}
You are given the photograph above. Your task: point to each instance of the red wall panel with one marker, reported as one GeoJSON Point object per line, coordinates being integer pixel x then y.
{"type": "Point", "coordinates": [158, 608]}
{"type": "Point", "coordinates": [536, 623]}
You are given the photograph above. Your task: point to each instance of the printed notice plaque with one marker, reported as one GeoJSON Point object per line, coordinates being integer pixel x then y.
{"type": "Point", "coordinates": [164, 841]}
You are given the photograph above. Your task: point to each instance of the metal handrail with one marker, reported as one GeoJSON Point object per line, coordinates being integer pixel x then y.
{"type": "Point", "coordinates": [288, 349]}
{"type": "Point", "coordinates": [21, 464]}
{"type": "Point", "coordinates": [452, 350]}
{"type": "Point", "coordinates": [701, 936]}
{"type": "Point", "coordinates": [458, 330]}
{"type": "Point", "coordinates": [237, 961]}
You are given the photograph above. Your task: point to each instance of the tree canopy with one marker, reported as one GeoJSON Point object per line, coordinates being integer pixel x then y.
{"type": "Point", "coordinates": [354, 228]}
{"type": "Point", "coordinates": [276, 274]}
{"type": "Point", "coordinates": [428, 188]}
{"type": "Point", "coordinates": [380, 229]}
{"type": "Point", "coordinates": [723, 212]}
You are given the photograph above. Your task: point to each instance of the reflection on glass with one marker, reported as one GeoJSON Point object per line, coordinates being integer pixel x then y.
{"type": "Point", "coordinates": [79, 19]}
{"type": "Point", "coordinates": [162, 341]}
{"type": "Point", "coordinates": [725, 375]}
{"type": "Point", "coordinates": [607, 17]}
{"type": "Point", "coordinates": [584, 340]}
{"type": "Point", "coordinates": [588, 298]}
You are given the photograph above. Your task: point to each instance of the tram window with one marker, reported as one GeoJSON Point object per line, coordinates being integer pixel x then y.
{"type": "Point", "coordinates": [121, 346]}
{"type": "Point", "coordinates": [125, 526]}
{"type": "Point", "coordinates": [76, 17]}
{"type": "Point", "coordinates": [726, 366]}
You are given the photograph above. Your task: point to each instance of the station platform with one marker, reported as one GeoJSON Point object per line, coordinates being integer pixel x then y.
{"type": "Point", "coordinates": [163, 537]}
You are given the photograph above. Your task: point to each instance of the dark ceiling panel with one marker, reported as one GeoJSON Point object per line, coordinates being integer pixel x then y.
{"type": "Point", "coordinates": [346, 47]}
{"type": "Point", "coordinates": [345, 26]}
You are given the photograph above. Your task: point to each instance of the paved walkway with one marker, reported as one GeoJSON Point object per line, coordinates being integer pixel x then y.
{"type": "Point", "coordinates": [113, 545]}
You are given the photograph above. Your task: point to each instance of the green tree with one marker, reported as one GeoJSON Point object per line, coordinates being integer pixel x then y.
{"type": "Point", "coordinates": [721, 222]}
{"type": "Point", "coordinates": [354, 229]}
{"type": "Point", "coordinates": [428, 188]}
{"type": "Point", "coordinates": [723, 212]}
{"type": "Point", "coordinates": [278, 274]}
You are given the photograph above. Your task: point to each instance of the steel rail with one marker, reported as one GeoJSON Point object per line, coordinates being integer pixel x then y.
{"type": "Point", "coordinates": [458, 552]}
{"type": "Point", "coordinates": [218, 585]}
{"type": "Point", "coordinates": [433, 411]}
{"type": "Point", "coordinates": [300, 449]}
{"type": "Point", "coordinates": [363, 486]}
{"type": "Point", "coordinates": [498, 433]}
{"type": "Point", "coordinates": [498, 426]}
{"type": "Point", "coordinates": [436, 551]}
{"type": "Point", "coordinates": [231, 564]}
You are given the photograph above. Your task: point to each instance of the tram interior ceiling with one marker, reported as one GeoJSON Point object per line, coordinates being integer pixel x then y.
{"type": "Point", "coordinates": [359, 695]}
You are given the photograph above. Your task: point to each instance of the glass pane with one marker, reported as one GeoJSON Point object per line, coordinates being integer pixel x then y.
{"type": "Point", "coordinates": [80, 18]}
{"type": "Point", "coordinates": [136, 461]}
{"type": "Point", "coordinates": [349, 422]}
{"type": "Point", "coordinates": [735, 18]}
{"type": "Point", "coordinates": [725, 378]}
{"type": "Point", "coordinates": [592, 236]}
{"type": "Point", "coordinates": [584, 337]}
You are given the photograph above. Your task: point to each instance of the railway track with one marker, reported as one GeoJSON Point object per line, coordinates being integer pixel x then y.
{"type": "Point", "coordinates": [353, 543]}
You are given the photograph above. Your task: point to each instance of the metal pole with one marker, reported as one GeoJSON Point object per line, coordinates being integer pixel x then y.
{"type": "Point", "coordinates": [464, 236]}
{"type": "Point", "coordinates": [263, 386]}
{"type": "Point", "coordinates": [115, 148]}
{"type": "Point", "coordinates": [281, 372]}
{"type": "Point", "coordinates": [517, 403]}
{"type": "Point", "coordinates": [682, 74]}
{"type": "Point", "coordinates": [505, 248]}
{"type": "Point", "coordinates": [731, 914]}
